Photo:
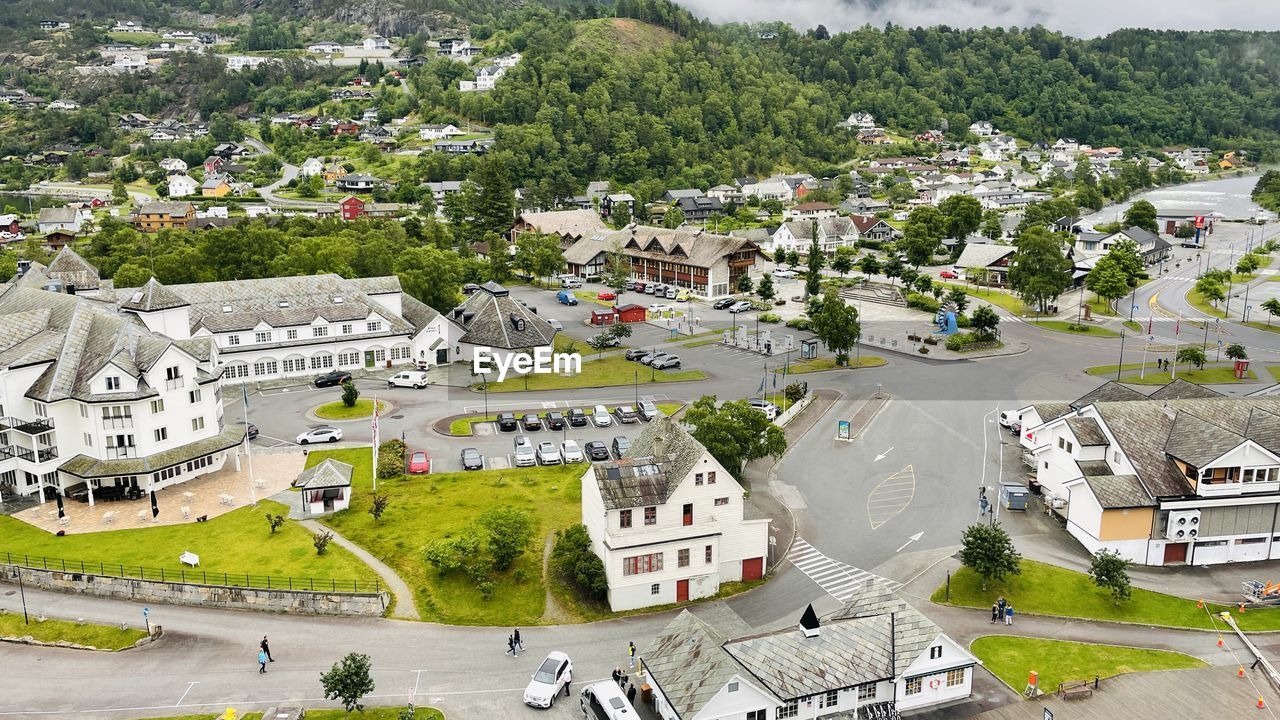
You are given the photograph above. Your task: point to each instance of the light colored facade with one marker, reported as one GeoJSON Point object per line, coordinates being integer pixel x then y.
{"type": "Point", "coordinates": [668, 521]}
{"type": "Point", "coordinates": [1185, 476]}
{"type": "Point", "coordinates": [486, 78]}
{"type": "Point", "coordinates": [182, 185]}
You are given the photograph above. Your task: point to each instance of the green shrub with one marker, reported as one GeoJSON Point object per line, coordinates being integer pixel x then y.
{"type": "Point", "coordinates": [803, 324]}
{"type": "Point", "coordinates": [871, 244]}
{"type": "Point", "coordinates": [759, 305]}
{"type": "Point", "coordinates": [573, 561]}
{"type": "Point", "coordinates": [960, 341]}
{"type": "Point", "coordinates": [922, 302]}
{"type": "Point", "coordinates": [770, 317]}
{"type": "Point", "coordinates": [963, 321]}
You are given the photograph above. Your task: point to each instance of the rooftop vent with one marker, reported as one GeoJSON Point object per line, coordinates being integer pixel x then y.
{"type": "Point", "coordinates": [613, 473]}
{"type": "Point", "coordinates": [283, 304]}
{"type": "Point", "coordinates": [517, 322]}
{"type": "Point", "coordinates": [809, 622]}
{"type": "Point", "coordinates": [226, 308]}
{"type": "Point", "coordinates": [337, 299]}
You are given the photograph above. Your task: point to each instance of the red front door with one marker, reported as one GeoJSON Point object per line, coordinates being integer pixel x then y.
{"type": "Point", "coordinates": [682, 591]}
{"type": "Point", "coordinates": [752, 568]}
{"type": "Point", "coordinates": [1175, 553]}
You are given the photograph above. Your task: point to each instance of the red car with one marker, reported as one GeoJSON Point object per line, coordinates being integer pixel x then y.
{"type": "Point", "coordinates": [419, 463]}
{"type": "Point", "coordinates": [948, 274]}
{"type": "Point", "coordinates": [607, 296]}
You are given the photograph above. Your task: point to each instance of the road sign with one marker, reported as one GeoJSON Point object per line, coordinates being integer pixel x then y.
{"type": "Point", "coordinates": [843, 430]}
{"type": "Point", "coordinates": [1048, 714]}
{"type": "Point", "coordinates": [146, 612]}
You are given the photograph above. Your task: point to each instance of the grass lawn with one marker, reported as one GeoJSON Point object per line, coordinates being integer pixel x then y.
{"type": "Point", "coordinates": [993, 296]}
{"type": "Point", "coordinates": [609, 371]}
{"type": "Point", "coordinates": [462, 426]}
{"type": "Point", "coordinates": [1101, 306]}
{"type": "Point", "coordinates": [429, 507]}
{"type": "Point", "coordinates": [337, 411]}
{"type": "Point", "coordinates": [1063, 326]}
{"type": "Point", "coordinates": [1044, 589]}
{"type": "Point", "coordinates": [1220, 374]}
{"type": "Point", "coordinates": [141, 40]}
{"type": "Point", "coordinates": [829, 363]}
{"type": "Point", "coordinates": [369, 713]}
{"type": "Point", "coordinates": [103, 637]}
{"type": "Point", "coordinates": [1275, 372]}
{"type": "Point", "coordinates": [1134, 325]}
{"type": "Point", "coordinates": [1197, 301]}
{"type": "Point", "coordinates": [237, 543]}
{"type": "Point", "coordinates": [1012, 658]}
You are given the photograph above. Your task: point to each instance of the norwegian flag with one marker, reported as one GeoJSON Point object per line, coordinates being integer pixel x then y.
{"type": "Point", "coordinates": [375, 423]}
{"type": "Point", "coordinates": [1177, 328]}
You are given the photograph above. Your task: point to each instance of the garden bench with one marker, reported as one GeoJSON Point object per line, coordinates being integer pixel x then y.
{"type": "Point", "coordinates": [189, 558]}
{"type": "Point", "coordinates": [1074, 689]}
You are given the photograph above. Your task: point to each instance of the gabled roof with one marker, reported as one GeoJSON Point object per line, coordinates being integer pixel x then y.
{"type": "Point", "coordinates": [1109, 391]}
{"type": "Point", "coordinates": [329, 473]}
{"type": "Point", "coordinates": [982, 256]}
{"type": "Point", "coordinates": [494, 319]}
{"type": "Point", "coordinates": [687, 663]}
{"type": "Point", "coordinates": [845, 653]}
{"type": "Point", "coordinates": [1087, 431]}
{"type": "Point", "coordinates": [658, 460]}
{"type": "Point", "coordinates": [1197, 441]}
{"type": "Point", "coordinates": [171, 209]}
{"type": "Point", "coordinates": [1180, 389]}
{"type": "Point", "coordinates": [57, 215]}
{"type": "Point", "coordinates": [565, 223]}
{"type": "Point", "coordinates": [1119, 491]}
{"type": "Point", "coordinates": [72, 269]}
{"type": "Point", "coordinates": [913, 632]}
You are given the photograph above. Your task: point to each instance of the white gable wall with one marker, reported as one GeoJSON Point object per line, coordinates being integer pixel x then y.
{"type": "Point", "coordinates": [726, 705]}
{"type": "Point", "coordinates": [933, 675]}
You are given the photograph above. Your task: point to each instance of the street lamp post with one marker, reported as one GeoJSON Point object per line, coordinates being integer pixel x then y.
{"type": "Point", "coordinates": [1080, 310]}
{"type": "Point", "coordinates": [23, 591]}
{"type": "Point", "coordinates": [1121, 365]}
{"type": "Point", "coordinates": [637, 388]}
{"type": "Point", "coordinates": [484, 385]}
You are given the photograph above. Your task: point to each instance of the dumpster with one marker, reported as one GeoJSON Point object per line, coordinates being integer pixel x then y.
{"type": "Point", "coordinates": [1014, 497]}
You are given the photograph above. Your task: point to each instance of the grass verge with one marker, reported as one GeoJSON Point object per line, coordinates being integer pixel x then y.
{"type": "Point", "coordinates": [1220, 374]}
{"type": "Point", "coordinates": [103, 637]}
{"type": "Point", "coordinates": [993, 296]}
{"type": "Point", "coordinates": [1063, 326]}
{"type": "Point", "coordinates": [829, 363]}
{"type": "Point", "coordinates": [609, 371]}
{"type": "Point", "coordinates": [369, 713]}
{"type": "Point", "coordinates": [426, 508]}
{"type": "Point", "coordinates": [1197, 301]}
{"type": "Point", "coordinates": [337, 411]}
{"type": "Point", "coordinates": [237, 543]}
{"type": "Point", "coordinates": [1056, 661]}
{"type": "Point", "coordinates": [1044, 589]}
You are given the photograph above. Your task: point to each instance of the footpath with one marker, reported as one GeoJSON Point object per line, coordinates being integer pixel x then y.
{"type": "Point", "coordinates": [405, 608]}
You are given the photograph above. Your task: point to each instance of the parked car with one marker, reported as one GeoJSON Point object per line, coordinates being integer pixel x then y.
{"type": "Point", "coordinates": [638, 287]}
{"type": "Point", "coordinates": [651, 289]}
{"type": "Point", "coordinates": [604, 340]}
{"type": "Point", "coordinates": [531, 422]}
{"type": "Point", "coordinates": [333, 377]}
{"type": "Point", "coordinates": [472, 459]}
{"type": "Point", "coordinates": [600, 416]}
{"type": "Point", "coordinates": [555, 324]}
{"type": "Point", "coordinates": [320, 433]}
{"type": "Point", "coordinates": [408, 378]}
{"type": "Point", "coordinates": [549, 680]}
{"type": "Point", "coordinates": [507, 422]}
{"type": "Point", "coordinates": [722, 303]}
{"type": "Point", "coordinates": [419, 463]}
{"type": "Point", "coordinates": [1009, 417]}
{"type": "Point", "coordinates": [948, 275]}
{"type": "Point", "coordinates": [607, 295]}
{"type": "Point", "coordinates": [631, 285]}
{"type": "Point", "coordinates": [548, 453]}
{"type": "Point", "coordinates": [769, 409]}
{"type": "Point", "coordinates": [626, 414]}
{"type": "Point", "coordinates": [666, 362]}
{"type": "Point", "coordinates": [659, 308]}
{"type": "Point", "coordinates": [648, 410]}
{"type": "Point", "coordinates": [652, 357]}
{"type": "Point", "coordinates": [470, 288]}
{"type": "Point", "coordinates": [566, 297]}
{"type": "Point", "coordinates": [571, 453]}
{"type": "Point", "coordinates": [785, 273]}
{"type": "Point", "coordinates": [636, 353]}
{"type": "Point", "coordinates": [555, 421]}
{"type": "Point", "coordinates": [524, 452]}
{"type": "Point", "coordinates": [621, 444]}
{"type": "Point", "coordinates": [739, 307]}
{"type": "Point", "coordinates": [597, 450]}
{"type": "Point", "coordinates": [671, 293]}
{"type": "Point", "coordinates": [682, 295]}
{"type": "Point", "coordinates": [577, 418]}
{"type": "Point", "coordinates": [570, 282]}
{"type": "Point", "coordinates": [251, 431]}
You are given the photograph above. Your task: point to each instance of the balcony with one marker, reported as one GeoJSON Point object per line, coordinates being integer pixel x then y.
{"type": "Point", "coordinates": [17, 451]}
{"type": "Point", "coordinates": [46, 454]}
{"type": "Point", "coordinates": [28, 427]}
{"type": "Point", "coordinates": [174, 383]}
{"type": "Point", "coordinates": [117, 422]}
{"type": "Point", "coordinates": [119, 453]}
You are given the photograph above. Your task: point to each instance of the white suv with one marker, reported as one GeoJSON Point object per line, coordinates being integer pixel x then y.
{"type": "Point", "coordinates": [525, 455]}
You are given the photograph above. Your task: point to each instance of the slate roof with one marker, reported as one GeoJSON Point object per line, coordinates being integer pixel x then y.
{"type": "Point", "coordinates": [1119, 491]}
{"type": "Point", "coordinates": [845, 653]}
{"type": "Point", "coordinates": [663, 455]}
{"type": "Point", "coordinates": [981, 256]}
{"type": "Point", "coordinates": [687, 664]}
{"type": "Point", "coordinates": [1109, 391]}
{"type": "Point", "coordinates": [83, 466]}
{"type": "Point", "coordinates": [827, 227]}
{"type": "Point", "coordinates": [1051, 411]}
{"type": "Point", "coordinates": [489, 318]}
{"type": "Point", "coordinates": [152, 297]}
{"type": "Point", "coordinates": [328, 474]}
{"type": "Point", "coordinates": [72, 269]}
{"type": "Point", "coordinates": [913, 632]}
{"type": "Point", "coordinates": [1087, 431]}
{"type": "Point", "coordinates": [1180, 389]}
{"type": "Point", "coordinates": [57, 215]}
{"type": "Point", "coordinates": [170, 209]}
{"type": "Point", "coordinates": [1197, 441]}
{"type": "Point", "coordinates": [1090, 468]}
{"type": "Point", "coordinates": [565, 223]}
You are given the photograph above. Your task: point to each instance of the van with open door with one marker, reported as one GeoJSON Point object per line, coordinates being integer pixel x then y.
{"type": "Point", "coordinates": [604, 701]}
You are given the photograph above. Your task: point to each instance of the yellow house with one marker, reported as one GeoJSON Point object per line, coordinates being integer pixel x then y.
{"type": "Point", "coordinates": [215, 186]}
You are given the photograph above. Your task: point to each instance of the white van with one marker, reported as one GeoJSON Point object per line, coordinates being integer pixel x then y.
{"type": "Point", "coordinates": [1009, 417]}
{"type": "Point", "coordinates": [408, 378]}
{"type": "Point", "coordinates": [570, 281]}
{"type": "Point", "coordinates": [604, 701]}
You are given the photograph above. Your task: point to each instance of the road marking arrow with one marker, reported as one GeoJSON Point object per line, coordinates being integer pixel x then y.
{"type": "Point", "coordinates": [910, 540]}
{"type": "Point", "coordinates": [883, 455]}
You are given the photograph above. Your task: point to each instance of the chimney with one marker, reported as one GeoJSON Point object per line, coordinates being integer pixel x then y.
{"type": "Point", "coordinates": [1170, 412]}
{"type": "Point", "coordinates": [809, 622]}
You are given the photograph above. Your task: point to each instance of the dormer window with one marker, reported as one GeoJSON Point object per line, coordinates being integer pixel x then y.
{"type": "Point", "coordinates": [283, 304]}
{"type": "Point", "coordinates": [226, 308]}
{"type": "Point", "coordinates": [113, 383]}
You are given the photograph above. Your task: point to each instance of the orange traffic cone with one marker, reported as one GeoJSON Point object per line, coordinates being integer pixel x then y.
{"type": "Point", "coordinates": [1261, 705]}
{"type": "Point", "coordinates": [1240, 672]}
{"type": "Point", "coordinates": [1200, 604]}
{"type": "Point", "coordinates": [1241, 607]}
{"type": "Point", "coordinates": [1220, 643]}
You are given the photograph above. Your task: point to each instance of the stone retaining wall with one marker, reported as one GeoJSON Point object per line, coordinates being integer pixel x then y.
{"type": "Point", "coordinates": [217, 596]}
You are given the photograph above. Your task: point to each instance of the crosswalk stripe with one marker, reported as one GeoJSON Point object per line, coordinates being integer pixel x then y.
{"type": "Point", "coordinates": [838, 579]}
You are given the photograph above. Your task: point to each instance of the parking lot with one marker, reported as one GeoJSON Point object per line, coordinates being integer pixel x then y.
{"type": "Point", "coordinates": [498, 446]}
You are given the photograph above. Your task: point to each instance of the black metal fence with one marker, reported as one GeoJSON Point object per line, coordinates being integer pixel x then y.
{"type": "Point", "coordinates": [194, 576]}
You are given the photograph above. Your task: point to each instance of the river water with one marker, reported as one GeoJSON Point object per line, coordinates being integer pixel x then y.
{"type": "Point", "coordinates": [1229, 196]}
{"type": "Point", "coordinates": [30, 204]}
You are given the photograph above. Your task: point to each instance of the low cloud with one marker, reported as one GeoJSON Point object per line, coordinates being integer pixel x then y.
{"type": "Point", "coordinates": [1081, 18]}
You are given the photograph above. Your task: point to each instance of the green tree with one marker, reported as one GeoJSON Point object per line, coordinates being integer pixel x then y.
{"type": "Point", "coordinates": [118, 194]}
{"type": "Point", "coordinates": [131, 275]}
{"type": "Point", "coordinates": [617, 270]}
{"type": "Point", "coordinates": [744, 283]}
{"type": "Point", "coordinates": [450, 554]}
{"type": "Point", "coordinates": [1142, 214]}
{"type": "Point", "coordinates": [378, 505]}
{"type": "Point", "coordinates": [575, 563]}
{"type": "Point", "coordinates": [499, 259]}
{"type": "Point", "coordinates": [348, 681]}
{"type": "Point", "coordinates": [1248, 263]}
{"type": "Point", "coordinates": [1107, 279]}
{"type": "Point", "coordinates": [984, 322]}
{"type": "Point", "coordinates": [836, 325]}
{"type": "Point", "coordinates": [431, 275]}
{"type": "Point", "coordinates": [539, 255]}
{"type": "Point", "coordinates": [991, 227]}
{"type": "Point", "coordinates": [1210, 289]}
{"type": "Point", "coordinates": [1272, 306]}
{"type": "Point", "coordinates": [988, 550]}
{"type": "Point", "coordinates": [892, 268]}
{"type": "Point", "coordinates": [494, 205]}
{"type": "Point", "coordinates": [1236, 351]}
{"type": "Point", "coordinates": [673, 218]}
{"type": "Point", "coordinates": [814, 264]}
{"type": "Point", "coordinates": [923, 284]}
{"type": "Point", "coordinates": [1191, 355]}
{"type": "Point", "coordinates": [959, 298]}
{"type": "Point", "coordinates": [734, 433]}
{"type": "Point", "coordinates": [963, 216]}
{"type": "Point", "coordinates": [925, 228]}
{"type": "Point", "coordinates": [869, 265]}
{"type": "Point", "coordinates": [1040, 271]}
{"type": "Point", "coordinates": [844, 259]}
{"type": "Point", "coordinates": [1110, 572]}
{"type": "Point", "coordinates": [275, 522]}
{"type": "Point", "coordinates": [509, 530]}
{"type": "Point", "coordinates": [766, 290]}
{"type": "Point", "coordinates": [350, 393]}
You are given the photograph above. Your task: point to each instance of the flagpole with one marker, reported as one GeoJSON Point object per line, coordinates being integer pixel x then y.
{"type": "Point", "coordinates": [1145, 344]}
{"type": "Point", "coordinates": [375, 444]}
{"type": "Point", "coordinates": [1177, 335]}
{"type": "Point", "coordinates": [248, 444]}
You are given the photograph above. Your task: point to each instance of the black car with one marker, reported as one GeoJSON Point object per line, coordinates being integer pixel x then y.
{"type": "Point", "coordinates": [626, 414]}
{"type": "Point", "coordinates": [597, 450]}
{"type": "Point", "coordinates": [251, 431]}
{"type": "Point", "coordinates": [472, 459]}
{"type": "Point", "coordinates": [621, 444]}
{"type": "Point", "coordinates": [531, 422]}
{"type": "Point", "coordinates": [722, 303]}
{"type": "Point", "coordinates": [507, 422]}
{"type": "Point", "coordinates": [333, 377]}
{"type": "Point", "coordinates": [636, 353]}
{"type": "Point", "coordinates": [577, 418]}
{"type": "Point", "coordinates": [555, 421]}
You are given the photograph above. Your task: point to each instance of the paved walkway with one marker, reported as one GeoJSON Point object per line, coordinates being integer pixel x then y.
{"type": "Point", "coordinates": [405, 607]}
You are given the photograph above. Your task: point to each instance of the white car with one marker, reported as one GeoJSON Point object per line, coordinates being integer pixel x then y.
{"type": "Point", "coordinates": [739, 307]}
{"type": "Point", "coordinates": [785, 273]}
{"type": "Point", "coordinates": [524, 454]}
{"type": "Point", "coordinates": [769, 409]}
{"type": "Point", "coordinates": [1009, 417]}
{"type": "Point", "coordinates": [555, 324]}
{"type": "Point", "coordinates": [549, 681]}
{"type": "Point", "coordinates": [659, 308]}
{"type": "Point", "coordinates": [548, 453]}
{"type": "Point", "coordinates": [600, 416]}
{"type": "Point", "coordinates": [648, 410]}
{"type": "Point", "coordinates": [408, 378]}
{"type": "Point", "coordinates": [571, 453]}
{"type": "Point", "coordinates": [320, 433]}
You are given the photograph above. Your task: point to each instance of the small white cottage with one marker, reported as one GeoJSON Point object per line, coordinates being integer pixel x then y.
{"type": "Point", "coordinates": [326, 488]}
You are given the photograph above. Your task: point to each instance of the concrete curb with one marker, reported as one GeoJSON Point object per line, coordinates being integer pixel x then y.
{"type": "Point", "coordinates": [387, 407]}
{"type": "Point", "coordinates": [28, 640]}
{"type": "Point", "coordinates": [1107, 622]}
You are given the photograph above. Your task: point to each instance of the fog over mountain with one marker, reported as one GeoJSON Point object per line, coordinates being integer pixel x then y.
{"type": "Point", "coordinates": [1081, 18]}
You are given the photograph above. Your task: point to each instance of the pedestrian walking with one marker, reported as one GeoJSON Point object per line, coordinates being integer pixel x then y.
{"type": "Point", "coordinates": [631, 650]}
{"type": "Point", "coordinates": [1008, 615]}
{"type": "Point", "coordinates": [568, 678]}
{"type": "Point", "coordinates": [262, 662]}
{"type": "Point", "coordinates": [631, 696]}
{"type": "Point", "coordinates": [995, 613]}
{"type": "Point", "coordinates": [266, 649]}
{"type": "Point", "coordinates": [518, 644]}
{"type": "Point", "coordinates": [511, 645]}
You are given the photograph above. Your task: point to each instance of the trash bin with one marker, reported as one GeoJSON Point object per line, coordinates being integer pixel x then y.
{"type": "Point", "coordinates": [646, 694]}
{"type": "Point", "coordinates": [1241, 369]}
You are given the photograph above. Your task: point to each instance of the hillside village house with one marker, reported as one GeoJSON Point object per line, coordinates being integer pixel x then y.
{"type": "Point", "coordinates": [182, 185]}
{"type": "Point", "coordinates": [438, 132]}
{"type": "Point", "coordinates": [810, 211]}
{"type": "Point", "coordinates": [157, 216]}
{"type": "Point", "coordinates": [311, 167]}
{"type": "Point", "coordinates": [60, 218]}
{"type": "Point", "coordinates": [874, 658]}
{"type": "Point", "coordinates": [215, 186]}
{"type": "Point", "coordinates": [986, 264]}
{"type": "Point", "coordinates": [486, 77]}
{"type": "Point", "coordinates": [832, 233]}
{"type": "Point", "coordinates": [707, 264]}
{"type": "Point", "coordinates": [1184, 476]}
{"type": "Point", "coordinates": [669, 521]}
{"type": "Point", "coordinates": [1151, 248]}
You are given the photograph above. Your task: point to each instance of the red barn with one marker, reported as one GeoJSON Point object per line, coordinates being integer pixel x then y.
{"type": "Point", "coordinates": [602, 317]}
{"type": "Point", "coordinates": [352, 207]}
{"type": "Point", "coordinates": [630, 313]}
